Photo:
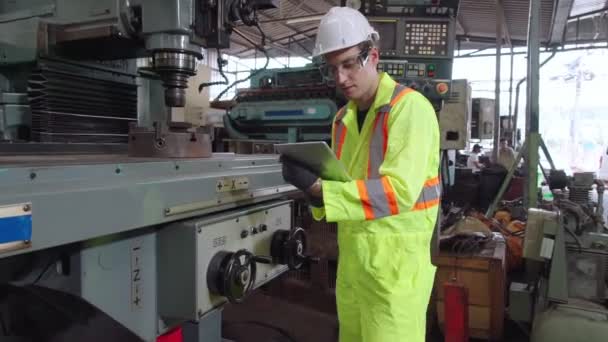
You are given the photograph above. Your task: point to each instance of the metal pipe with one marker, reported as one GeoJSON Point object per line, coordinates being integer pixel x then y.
{"type": "Point", "coordinates": [532, 105]}
{"type": "Point", "coordinates": [506, 181]}
{"type": "Point", "coordinates": [547, 154]}
{"type": "Point", "coordinates": [516, 105]}
{"type": "Point", "coordinates": [590, 13]}
{"type": "Point", "coordinates": [577, 48]}
{"type": "Point", "coordinates": [497, 86]}
{"type": "Point", "coordinates": [600, 187]}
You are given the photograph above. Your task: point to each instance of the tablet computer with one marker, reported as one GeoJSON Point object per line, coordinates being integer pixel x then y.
{"type": "Point", "coordinates": [317, 156]}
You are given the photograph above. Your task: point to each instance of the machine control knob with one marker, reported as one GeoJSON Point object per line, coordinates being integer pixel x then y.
{"type": "Point", "coordinates": [426, 89]}
{"type": "Point", "coordinates": [254, 230]}
{"type": "Point", "coordinates": [232, 274]}
{"type": "Point", "coordinates": [244, 233]}
{"type": "Point", "coordinates": [262, 227]}
{"type": "Point", "coordinates": [288, 247]}
{"type": "Point", "coordinates": [442, 88]}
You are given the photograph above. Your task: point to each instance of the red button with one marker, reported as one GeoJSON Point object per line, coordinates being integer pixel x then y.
{"type": "Point", "coordinates": [442, 88]}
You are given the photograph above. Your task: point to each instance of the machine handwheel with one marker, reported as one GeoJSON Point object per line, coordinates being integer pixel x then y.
{"type": "Point", "coordinates": [288, 247]}
{"type": "Point", "coordinates": [232, 275]}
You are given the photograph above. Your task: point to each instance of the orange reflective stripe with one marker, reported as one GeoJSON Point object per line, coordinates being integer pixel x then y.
{"type": "Point", "coordinates": [379, 140]}
{"type": "Point", "coordinates": [426, 205]}
{"type": "Point", "coordinates": [339, 133]}
{"type": "Point", "coordinates": [390, 196]}
{"type": "Point", "coordinates": [430, 194]}
{"type": "Point", "coordinates": [367, 207]}
{"type": "Point", "coordinates": [400, 95]}
{"type": "Point", "coordinates": [432, 182]}
{"type": "Point", "coordinates": [384, 135]}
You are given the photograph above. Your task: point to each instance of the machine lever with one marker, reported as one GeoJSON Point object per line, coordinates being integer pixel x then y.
{"type": "Point", "coordinates": [262, 259]}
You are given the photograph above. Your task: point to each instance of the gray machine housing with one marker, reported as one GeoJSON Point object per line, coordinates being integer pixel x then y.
{"type": "Point", "coordinates": [186, 248]}
{"type": "Point", "coordinates": [454, 117]}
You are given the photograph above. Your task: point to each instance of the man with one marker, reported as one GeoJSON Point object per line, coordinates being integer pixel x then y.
{"type": "Point", "coordinates": [473, 160]}
{"type": "Point", "coordinates": [506, 155]}
{"type": "Point", "coordinates": [388, 138]}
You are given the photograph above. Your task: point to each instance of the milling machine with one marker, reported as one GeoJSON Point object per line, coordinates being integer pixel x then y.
{"type": "Point", "coordinates": [106, 193]}
{"type": "Point", "coordinates": [566, 253]}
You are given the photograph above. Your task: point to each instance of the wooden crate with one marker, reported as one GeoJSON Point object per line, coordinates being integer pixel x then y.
{"type": "Point", "coordinates": [484, 275]}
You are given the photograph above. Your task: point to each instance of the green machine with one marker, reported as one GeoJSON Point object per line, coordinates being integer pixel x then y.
{"type": "Point", "coordinates": [288, 104]}
{"type": "Point", "coordinates": [566, 250]}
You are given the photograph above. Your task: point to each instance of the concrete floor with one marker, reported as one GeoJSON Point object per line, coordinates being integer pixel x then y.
{"type": "Point", "coordinates": [268, 319]}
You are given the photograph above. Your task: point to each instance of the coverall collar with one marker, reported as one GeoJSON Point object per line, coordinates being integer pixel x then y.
{"type": "Point", "coordinates": [382, 98]}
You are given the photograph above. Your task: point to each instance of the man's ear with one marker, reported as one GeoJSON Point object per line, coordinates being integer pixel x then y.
{"type": "Point", "coordinates": [374, 56]}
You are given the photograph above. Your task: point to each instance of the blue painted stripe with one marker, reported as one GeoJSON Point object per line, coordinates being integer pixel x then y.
{"type": "Point", "coordinates": [16, 228]}
{"type": "Point", "coordinates": [283, 112]}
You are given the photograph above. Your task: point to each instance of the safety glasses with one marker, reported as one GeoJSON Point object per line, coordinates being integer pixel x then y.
{"type": "Point", "coordinates": [349, 66]}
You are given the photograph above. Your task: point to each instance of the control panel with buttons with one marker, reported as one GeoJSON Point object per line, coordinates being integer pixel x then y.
{"type": "Point", "coordinates": [426, 38]}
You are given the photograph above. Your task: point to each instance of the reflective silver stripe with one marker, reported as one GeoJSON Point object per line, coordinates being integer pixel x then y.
{"type": "Point", "coordinates": [377, 198]}
{"type": "Point", "coordinates": [340, 114]}
{"type": "Point", "coordinates": [429, 193]}
{"type": "Point", "coordinates": [385, 109]}
{"type": "Point", "coordinates": [376, 147]}
{"type": "Point", "coordinates": [398, 89]}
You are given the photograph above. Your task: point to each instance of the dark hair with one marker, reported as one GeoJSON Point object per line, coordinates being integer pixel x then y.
{"type": "Point", "coordinates": [504, 140]}
{"type": "Point", "coordinates": [476, 147]}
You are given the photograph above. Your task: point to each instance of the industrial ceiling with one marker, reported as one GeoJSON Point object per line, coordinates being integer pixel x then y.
{"type": "Point", "coordinates": [291, 28]}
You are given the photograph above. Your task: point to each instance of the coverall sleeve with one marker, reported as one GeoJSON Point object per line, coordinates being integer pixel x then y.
{"type": "Point", "coordinates": [412, 149]}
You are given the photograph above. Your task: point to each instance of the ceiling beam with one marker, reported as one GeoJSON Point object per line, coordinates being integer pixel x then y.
{"type": "Point", "coordinates": [463, 26]}
{"type": "Point", "coordinates": [279, 39]}
{"type": "Point", "coordinates": [500, 12]}
{"type": "Point", "coordinates": [290, 27]}
{"type": "Point", "coordinates": [279, 20]}
{"type": "Point", "coordinates": [304, 6]}
{"type": "Point", "coordinates": [561, 12]}
{"type": "Point", "coordinates": [269, 42]}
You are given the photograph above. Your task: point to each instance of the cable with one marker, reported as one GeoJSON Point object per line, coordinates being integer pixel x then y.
{"type": "Point", "coordinates": [281, 331]}
{"type": "Point", "coordinates": [220, 65]}
{"type": "Point", "coordinates": [261, 48]}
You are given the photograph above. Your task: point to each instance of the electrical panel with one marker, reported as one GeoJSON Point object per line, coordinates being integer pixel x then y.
{"type": "Point", "coordinates": [426, 38]}
{"type": "Point", "coordinates": [482, 119]}
{"type": "Point", "coordinates": [415, 37]}
{"type": "Point", "coordinates": [416, 42]}
{"type": "Point", "coordinates": [455, 115]}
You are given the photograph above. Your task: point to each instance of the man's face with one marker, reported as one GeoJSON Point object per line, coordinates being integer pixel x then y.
{"type": "Point", "coordinates": [503, 144]}
{"type": "Point", "coordinates": [353, 79]}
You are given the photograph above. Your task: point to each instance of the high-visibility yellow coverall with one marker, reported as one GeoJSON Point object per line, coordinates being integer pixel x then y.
{"type": "Point", "coordinates": [385, 216]}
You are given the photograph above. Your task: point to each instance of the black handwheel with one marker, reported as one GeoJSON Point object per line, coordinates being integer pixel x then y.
{"type": "Point", "coordinates": [288, 248]}
{"type": "Point", "coordinates": [232, 275]}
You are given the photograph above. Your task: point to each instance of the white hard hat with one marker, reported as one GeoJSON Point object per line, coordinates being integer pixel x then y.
{"type": "Point", "coordinates": [340, 28]}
